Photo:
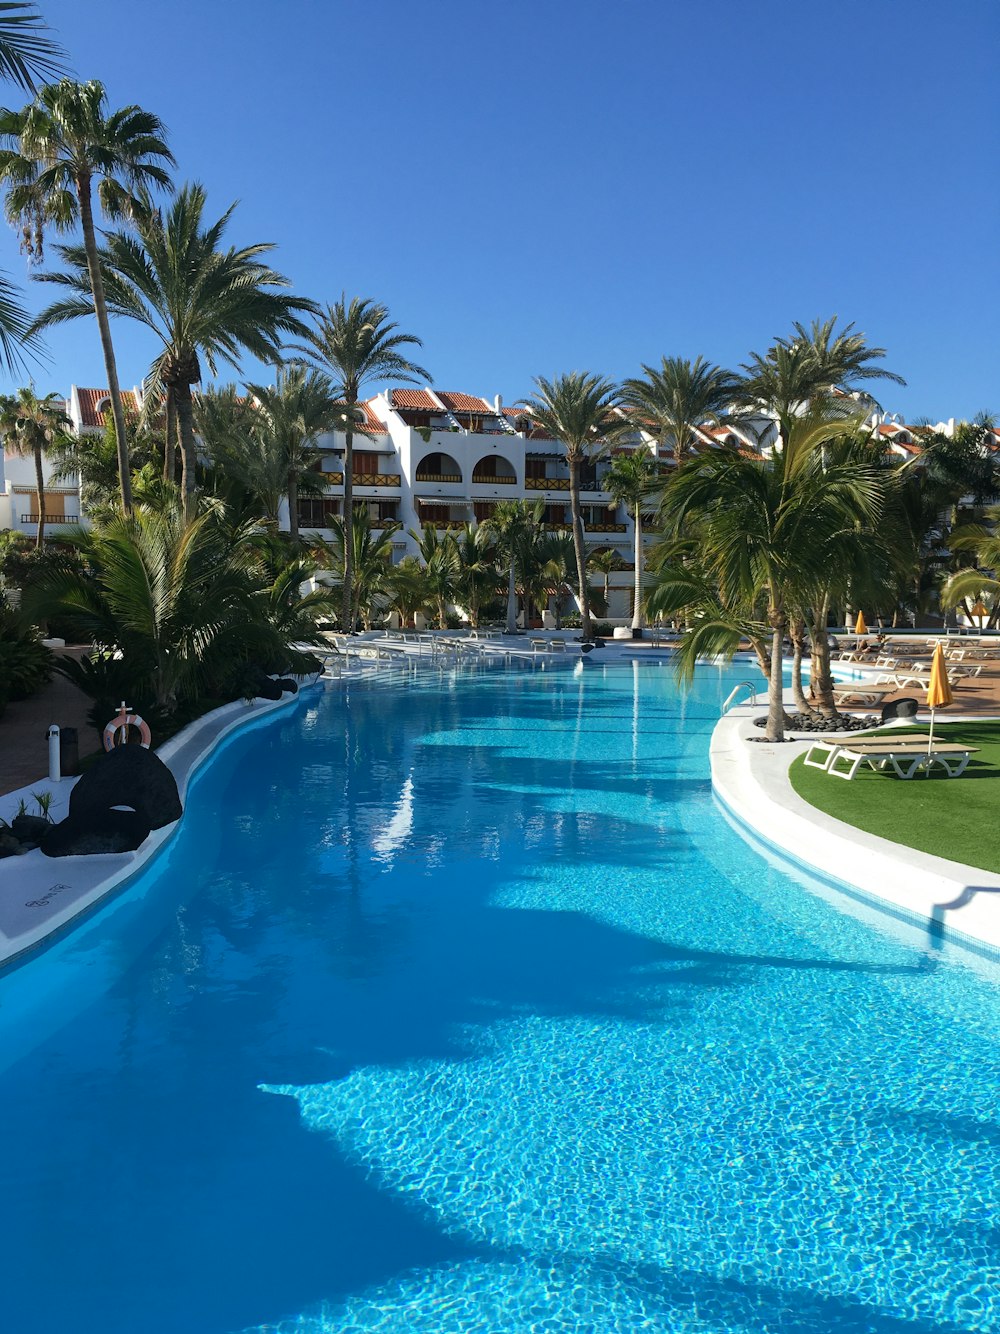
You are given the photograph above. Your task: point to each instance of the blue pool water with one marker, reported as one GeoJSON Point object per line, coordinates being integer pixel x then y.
{"type": "Point", "coordinates": [457, 1006]}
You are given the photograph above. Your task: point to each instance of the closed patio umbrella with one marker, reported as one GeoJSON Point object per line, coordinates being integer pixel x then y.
{"type": "Point", "coordinates": [939, 688]}
{"type": "Point", "coordinates": [860, 628]}
{"type": "Point", "coordinates": [979, 609]}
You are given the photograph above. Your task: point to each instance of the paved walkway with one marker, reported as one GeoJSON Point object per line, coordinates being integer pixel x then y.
{"type": "Point", "coordinates": [24, 751]}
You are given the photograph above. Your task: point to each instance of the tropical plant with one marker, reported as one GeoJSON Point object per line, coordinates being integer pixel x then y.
{"type": "Point", "coordinates": [200, 301]}
{"type": "Point", "coordinates": [604, 562]}
{"type": "Point", "coordinates": [407, 590]}
{"type": "Point", "coordinates": [290, 416]}
{"type": "Point", "coordinates": [92, 460]}
{"type": "Point", "coordinates": [174, 604]}
{"type": "Point", "coordinates": [441, 567]}
{"type": "Point", "coordinates": [510, 526]}
{"type": "Point", "coordinates": [631, 479]}
{"type": "Point", "coordinates": [25, 662]}
{"type": "Point", "coordinates": [580, 411]}
{"type": "Point", "coordinates": [804, 370]}
{"type": "Point", "coordinates": [357, 344]}
{"type": "Point", "coordinates": [766, 528]}
{"type": "Point", "coordinates": [370, 560]}
{"type": "Point", "coordinates": [30, 427]}
{"type": "Point", "coordinates": [558, 566]}
{"type": "Point", "coordinates": [27, 54]}
{"type": "Point", "coordinates": [477, 580]}
{"type": "Point", "coordinates": [53, 151]}
{"type": "Point", "coordinates": [672, 400]}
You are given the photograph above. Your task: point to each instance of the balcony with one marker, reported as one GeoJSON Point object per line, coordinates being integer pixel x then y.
{"type": "Point", "coordinates": [439, 477]}
{"type": "Point", "coordinates": [384, 523]}
{"type": "Point", "coordinates": [52, 520]}
{"type": "Point", "coordinates": [377, 479]}
{"type": "Point", "coordinates": [588, 528]}
{"type": "Point", "coordinates": [546, 484]}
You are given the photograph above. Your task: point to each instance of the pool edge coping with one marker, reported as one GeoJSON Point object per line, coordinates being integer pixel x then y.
{"type": "Point", "coordinates": [752, 783]}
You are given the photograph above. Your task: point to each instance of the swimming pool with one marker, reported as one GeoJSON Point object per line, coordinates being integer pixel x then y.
{"type": "Point", "coordinates": [456, 1006]}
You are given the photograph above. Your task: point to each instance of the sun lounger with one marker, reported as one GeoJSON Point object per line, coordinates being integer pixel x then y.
{"type": "Point", "coordinates": [906, 757]}
{"type": "Point", "coordinates": [861, 692]}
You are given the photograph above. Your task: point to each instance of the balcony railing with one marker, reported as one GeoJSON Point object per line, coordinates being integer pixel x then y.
{"type": "Point", "coordinates": [439, 476]}
{"type": "Point", "coordinates": [384, 523]}
{"type": "Point", "coordinates": [52, 518]}
{"type": "Point", "coordinates": [587, 527]}
{"type": "Point", "coordinates": [546, 484]}
{"type": "Point", "coordinates": [333, 478]}
{"type": "Point", "coordinates": [495, 481]}
{"type": "Point", "coordinates": [443, 525]}
{"type": "Point", "coordinates": [377, 479]}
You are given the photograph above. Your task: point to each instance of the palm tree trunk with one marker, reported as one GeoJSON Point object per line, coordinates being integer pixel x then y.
{"type": "Point", "coordinates": [820, 676]}
{"type": "Point", "coordinates": [637, 609]}
{"type": "Point", "coordinates": [293, 507]}
{"type": "Point", "coordinates": [512, 598]}
{"type": "Point", "coordinates": [581, 564]}
{"type": "Point", "coordinates": [346, 615]}
{"type": "Point", "coordinates": [185, 428]}
{"type": "Point", "coordinates": [101, 310]}
{"type": "Point", "coordinates": [170, 440]}
{"type": "Point", "coordinates": [775, 730]}
{"type": "Point", "coordinates": [797, 633]}
{"type": "Point", "coordinates": [40, 489]}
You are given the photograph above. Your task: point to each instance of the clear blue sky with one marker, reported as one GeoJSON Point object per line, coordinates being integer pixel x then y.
{"type": "Point", "coordinates": [542, 185]}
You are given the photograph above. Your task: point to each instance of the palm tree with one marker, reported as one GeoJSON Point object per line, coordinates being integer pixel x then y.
{"type": "Point", "coordinates": [177, 602]}
{"type": "Point", "coordinates": [408, 590]}
{"type": "Point", "coordinates": [291, 415]}
{"type": "Point", "coordinates": [476, 580]}
{"type": "Point", "coordinates": [30, 426]}
{"type": "Point", "coordinates": [604, 562]}
{"type": "Point", "coordinates": [580, 411]}
{"type": "Point", "coordinates": [509, 525]}
{"type": "Point", "coordinates": [631, 479]}
{"type": "Point", "coordinates": [93, 462]}
{"type": "Point", "coordinates": [679, 396]}
{"type": "Point", "coordinates": [558, 565]}
{"type": "Point", "coordinates": [53, 151]}
{"type": "Point", "coordinates": [441, 565]}
{"type": "Point", "coordinates": [356, 343]}
{"type": "Point", "coordinates": [27, 55]}
{"type": "Point", "coordinates": [370, 559]}
{"type": "Point", "coordinates": [198, 299]}
{"type": "Point", "coordinates": [766, 528]}
{"type": "Point", "coordinates": [799, 375]}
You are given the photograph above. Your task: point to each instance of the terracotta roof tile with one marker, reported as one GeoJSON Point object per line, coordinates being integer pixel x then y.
{"type": "Point", "coordinates": [90, 399]}
{"type": "Point", "coordinates": [464, 402]}
{"type": "Point", "coordinates": [417, 399]}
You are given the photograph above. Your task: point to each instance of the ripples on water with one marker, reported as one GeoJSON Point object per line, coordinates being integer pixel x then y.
{"type": "Point", "coordinates": [458, 1007]}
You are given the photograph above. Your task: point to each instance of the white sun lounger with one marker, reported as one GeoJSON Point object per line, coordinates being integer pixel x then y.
{"type": "Point", "coordinates": [905, 758]}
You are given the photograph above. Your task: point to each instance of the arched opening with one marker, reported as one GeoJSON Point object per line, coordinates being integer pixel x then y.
{"type": "Point", "coordinates": [438, 468]}
{"type": "Point", "coordinates": [494, 468]}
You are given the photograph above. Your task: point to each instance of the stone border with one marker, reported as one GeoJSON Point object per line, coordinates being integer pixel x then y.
{"type": "Point", "coordinates": [752, 784]}
{"type": "Point", "coordinates": [40, 896]}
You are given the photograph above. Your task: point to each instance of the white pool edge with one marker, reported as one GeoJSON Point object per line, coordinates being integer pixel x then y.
{"type": "Point", "coordinates": [751, 781]}
{"type": "Point", "coordinates": [73, 886]}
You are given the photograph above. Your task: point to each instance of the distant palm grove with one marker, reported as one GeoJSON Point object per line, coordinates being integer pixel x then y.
{"type": "Point", "coordinates": [765, 500]}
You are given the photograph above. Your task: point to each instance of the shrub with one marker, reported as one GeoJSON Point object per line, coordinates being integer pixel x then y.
{"type": "Point", "coordinates": [25, 663]}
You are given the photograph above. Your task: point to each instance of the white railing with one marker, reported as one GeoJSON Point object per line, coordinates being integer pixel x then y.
{"type": "Point", "coordinates": [731, 697]}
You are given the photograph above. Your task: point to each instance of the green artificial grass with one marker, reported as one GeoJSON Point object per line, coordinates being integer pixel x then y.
{"type": "Point", "coordinates": [949, 817]}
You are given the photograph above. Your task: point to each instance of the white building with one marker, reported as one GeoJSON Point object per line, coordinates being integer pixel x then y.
{"type": "Point", "coordinates": [18, 496]}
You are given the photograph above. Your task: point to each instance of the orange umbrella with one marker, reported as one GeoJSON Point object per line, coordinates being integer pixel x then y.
{"type": "Point", "coordinates": [980, 610]}
{"type": "Point", "coordinates": [939, 694]}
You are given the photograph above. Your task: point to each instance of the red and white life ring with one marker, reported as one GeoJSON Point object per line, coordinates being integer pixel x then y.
{"type": "Point", "coordinates": [121, 723]}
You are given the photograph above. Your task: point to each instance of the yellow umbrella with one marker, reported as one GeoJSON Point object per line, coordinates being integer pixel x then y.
{"type": "Point", "coordinates": [978, 609]}
{"type": "Point", "coordinates": [939, 688]}
{"type": "Point", "coordinates": [859, 625]}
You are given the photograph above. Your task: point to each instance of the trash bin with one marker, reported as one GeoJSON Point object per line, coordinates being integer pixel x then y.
{"type": "Point", "coordinates": [69, 752]}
